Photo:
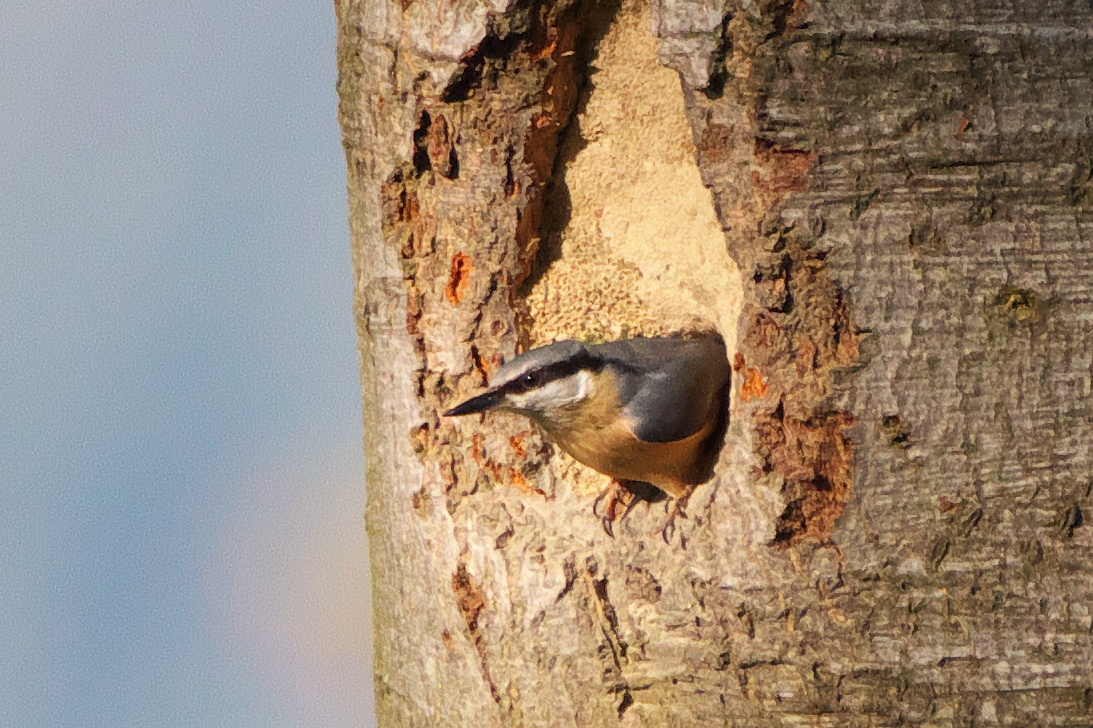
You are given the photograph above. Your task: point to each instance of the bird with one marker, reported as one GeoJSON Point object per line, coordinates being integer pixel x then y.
{"type": "Point", "coordinates": [651, 412]}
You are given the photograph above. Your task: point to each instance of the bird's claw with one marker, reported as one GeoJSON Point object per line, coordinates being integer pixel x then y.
{"type": "Point", "coordinates": [613, 496]}
{"type": "Point", "coordinates": [617, 495]}
{"type": "Point", "coordinates": [669, 528]}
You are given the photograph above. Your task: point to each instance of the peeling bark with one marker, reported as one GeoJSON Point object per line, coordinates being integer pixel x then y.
{"type": "Point", "coordinates": [896, 533]}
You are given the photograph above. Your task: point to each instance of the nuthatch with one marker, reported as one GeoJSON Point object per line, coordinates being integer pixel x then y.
{"type": "Point", "coordinates": [644, 410]}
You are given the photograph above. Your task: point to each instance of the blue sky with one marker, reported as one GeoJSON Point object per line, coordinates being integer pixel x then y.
{"type": "Point", "coordinates": [181, 471]}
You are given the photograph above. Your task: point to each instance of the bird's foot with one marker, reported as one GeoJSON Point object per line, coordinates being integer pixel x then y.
{"type": "Point", "coordinates": [614, 497]}
{"type": "Point", "coordinates": [624, 495]}
{"type": "Point", "coordinates": [669, 528]}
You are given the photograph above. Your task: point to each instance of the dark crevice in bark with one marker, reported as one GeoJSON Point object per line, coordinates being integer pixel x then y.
{"type": "Point", "coordinates": [554, 151]}
{"type": "Point", "coordinates": [626, 702]}
{"type": "Point", "coordinates": [471, 600]}
{"type": "Point", "coordinates": [715, 88]}
{"type": "Point", "coordinates": [614, 649]}
{"type": "Point", "coordinates": [524, 23]}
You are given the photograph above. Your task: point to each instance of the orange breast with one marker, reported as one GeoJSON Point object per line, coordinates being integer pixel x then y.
{"type": "Point", "coordinates": [615, 451]}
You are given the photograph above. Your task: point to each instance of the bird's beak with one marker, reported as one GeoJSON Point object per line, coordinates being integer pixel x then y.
{"type": "Point", "coordinates": [481, 403]}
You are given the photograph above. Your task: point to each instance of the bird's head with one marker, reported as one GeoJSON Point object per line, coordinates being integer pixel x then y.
{"type": "Point", "coordinates": [555, 385]}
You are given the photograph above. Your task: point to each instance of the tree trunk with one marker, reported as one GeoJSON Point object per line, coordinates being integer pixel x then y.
{"type": "Point", "coordinates": [885, 210]}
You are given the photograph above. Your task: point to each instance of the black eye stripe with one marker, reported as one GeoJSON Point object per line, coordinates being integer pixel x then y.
{"type": "Point", "coordinates": [551, 372]}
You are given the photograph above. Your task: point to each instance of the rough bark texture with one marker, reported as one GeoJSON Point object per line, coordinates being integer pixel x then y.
{"type": "Point", "coordinates": [896, 534]}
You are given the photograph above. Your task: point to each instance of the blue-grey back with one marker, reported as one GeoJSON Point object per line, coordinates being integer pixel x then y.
{"type": "Point", "coordinates": [667, 386]}
{"type": "Point", "coordinates": [680, 384]}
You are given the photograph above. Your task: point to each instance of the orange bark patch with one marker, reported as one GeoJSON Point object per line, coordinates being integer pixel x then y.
{"type": "Point", "coordinates": [524, 484]}
{"type": "Point", "coordinates": [814, 458]}
{"type": "Point", "coordinates": [499, 472]}
{"type": "Point", "coordinates": [518, 446]}
{"type": "Point", "coordinates": [460, 277]}
{"type": "Point", "coordinates": [440, 146]}
{"type": "Point", "coordinates": [478, 449]}
{"type": "Point", "coordinates": [755, 385]}
{"type": "Point", "coordinates": [470, 597]}
{"type": "Point", "coordinates": [781, 171]}
{"type": "Point", "coordinates": [799, 335]}
{"type": "Point", "coordinates": [545, 50]}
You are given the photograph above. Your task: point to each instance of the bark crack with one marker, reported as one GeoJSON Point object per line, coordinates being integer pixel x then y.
{"type": "Point", "coordinates": [471, 600]}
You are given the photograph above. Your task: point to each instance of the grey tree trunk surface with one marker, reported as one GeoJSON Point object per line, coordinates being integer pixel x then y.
{"type": "Point", "coordinates": [887, 210]}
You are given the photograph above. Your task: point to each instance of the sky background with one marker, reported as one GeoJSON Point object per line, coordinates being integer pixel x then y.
{"type": "Point", "coordinates": [181, 470]}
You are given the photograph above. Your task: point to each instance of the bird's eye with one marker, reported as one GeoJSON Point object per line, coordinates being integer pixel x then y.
{"type": "Point", "coordinates": [531, 379]}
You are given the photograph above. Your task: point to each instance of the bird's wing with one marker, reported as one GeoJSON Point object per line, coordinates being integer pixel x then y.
{"type": "Point", "coordinates": [681, 392]}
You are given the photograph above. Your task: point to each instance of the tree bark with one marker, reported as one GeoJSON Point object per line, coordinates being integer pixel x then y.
{"type": "Point", "coordinates": [885, 208]}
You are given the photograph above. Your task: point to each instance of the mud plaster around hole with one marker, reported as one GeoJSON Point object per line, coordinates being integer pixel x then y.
{"type": "Point", "coordinates": [643, 251]}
